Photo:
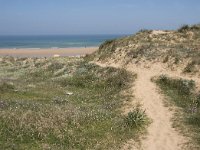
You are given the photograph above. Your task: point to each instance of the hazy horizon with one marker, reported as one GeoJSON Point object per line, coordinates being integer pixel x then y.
{"type": "Point", "coordinates": [4, 35]}
{"type": "Point", "coordinates": [94, 17]}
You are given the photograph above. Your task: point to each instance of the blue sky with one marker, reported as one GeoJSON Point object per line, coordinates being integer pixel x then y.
{"type": "Point", "coordinates": [94, 16]}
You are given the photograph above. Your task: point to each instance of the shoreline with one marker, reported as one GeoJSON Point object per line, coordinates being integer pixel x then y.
{"type": "Point", "coordinates": [47, 52]}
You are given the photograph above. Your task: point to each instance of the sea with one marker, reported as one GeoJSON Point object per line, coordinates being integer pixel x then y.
{"type": "Point", "coordinates": [53, 41]}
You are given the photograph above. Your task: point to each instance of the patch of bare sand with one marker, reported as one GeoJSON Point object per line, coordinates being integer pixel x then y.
{"type": "Point", "coordinates": [47, 52]}
{"type": "Point", "coordinates": [157, 32]}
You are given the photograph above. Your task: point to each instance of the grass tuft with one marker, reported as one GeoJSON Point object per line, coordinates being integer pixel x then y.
{"type": "Point", "coordinates": [136, 118]}
{"type": "Point", "coordinates": [6, 87]}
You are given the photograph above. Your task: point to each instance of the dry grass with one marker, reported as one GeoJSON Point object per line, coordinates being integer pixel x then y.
{"type": "Point", "coordinates": [174, 48]}
{"type": "Point", "coordinates": [182, 94]}
{"type": "Point", "coordinates": [36, 111]}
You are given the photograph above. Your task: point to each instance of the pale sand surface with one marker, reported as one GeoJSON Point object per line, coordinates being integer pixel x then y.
{"type": "Point", "coordinates": [47, 52]}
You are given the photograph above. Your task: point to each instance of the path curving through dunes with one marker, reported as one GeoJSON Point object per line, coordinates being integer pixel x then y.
{"type": "Point", "coordinates": [161, 135]}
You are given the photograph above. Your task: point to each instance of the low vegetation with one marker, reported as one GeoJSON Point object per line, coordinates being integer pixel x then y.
{"type": "Point", "coordinates": [64, 103]}
{"type": "Point", "coordinates": [186, 28]}
{"type": "Point", "coordinates": [182, 94]}
{"type": "Point", "coordinates": [176, 49]}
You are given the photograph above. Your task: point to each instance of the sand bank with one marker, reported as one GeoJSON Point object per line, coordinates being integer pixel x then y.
{"type": "Point", "coordinates": [47, 52]}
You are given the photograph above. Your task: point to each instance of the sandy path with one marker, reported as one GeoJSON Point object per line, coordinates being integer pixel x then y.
{"type": "Point", "coordinates": [161, 135]}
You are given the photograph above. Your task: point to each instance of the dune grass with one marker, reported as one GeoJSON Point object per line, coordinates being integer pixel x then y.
{"type": "Point", "coordinates": [174, 48]}
{"type": "Point", "coordinates": [182, 94]}
{"type": "Point", "coordinates": [65, 103]}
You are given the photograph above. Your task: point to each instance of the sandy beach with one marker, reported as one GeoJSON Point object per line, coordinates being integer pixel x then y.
{"type": "Point", "coordinates": [47, 52]}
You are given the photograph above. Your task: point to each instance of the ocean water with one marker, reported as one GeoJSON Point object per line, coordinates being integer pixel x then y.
{"type": "Point", "coordinates": [54, 41]}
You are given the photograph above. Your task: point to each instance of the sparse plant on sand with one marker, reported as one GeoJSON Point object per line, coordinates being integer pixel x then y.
{"type": "Point", "coordinates": [184, 28]}
{"type": "Point", "coordinates": [136, 118]}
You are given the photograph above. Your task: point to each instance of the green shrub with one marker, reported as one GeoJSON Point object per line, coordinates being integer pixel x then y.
{"type": "Point", "coordinates": [6, 87]}
{"type": "Point", "coordinates": [106, 43]}
{"type": "Point", "coordinates": [190, 67]}
{"type": "Point", "coordinates": [184, 28]}
{"type": "Point", "coordinates": [166, 59]}
{"type": "Point", "coordinates": [136, 118]}
{"type": "Point", "coordinates": [187, 27]}
{"type": "Point", "coordinates": [195, 27]}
